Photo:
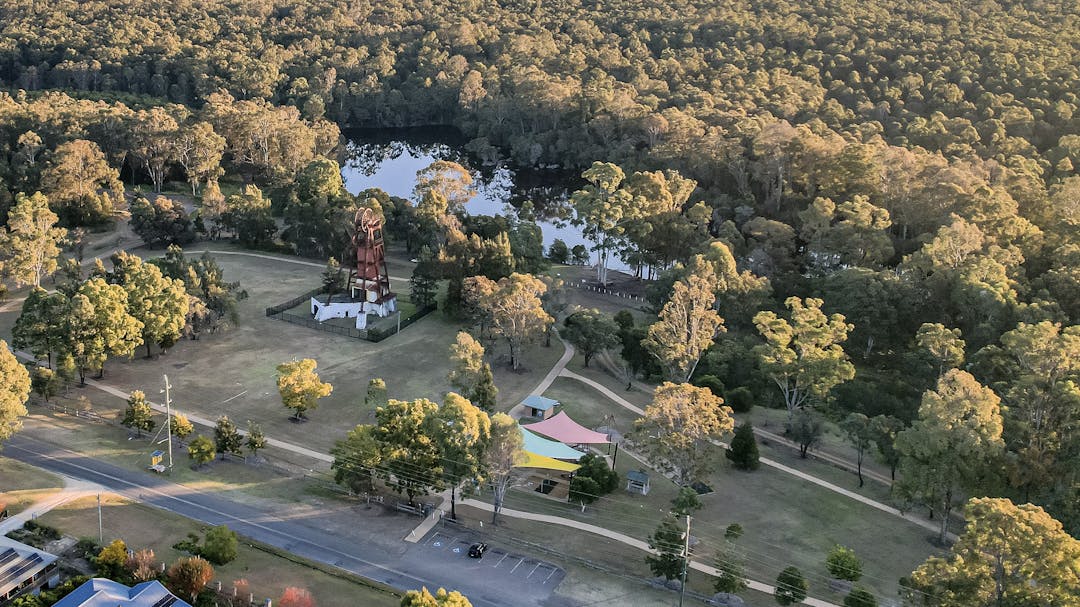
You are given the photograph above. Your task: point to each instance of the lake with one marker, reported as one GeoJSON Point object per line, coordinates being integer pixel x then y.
{"type": "Point", "coordinates": [388, 159]}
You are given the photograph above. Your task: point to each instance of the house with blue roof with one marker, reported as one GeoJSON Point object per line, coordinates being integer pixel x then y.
{"type": "Point", "coordinates": [101, 592]}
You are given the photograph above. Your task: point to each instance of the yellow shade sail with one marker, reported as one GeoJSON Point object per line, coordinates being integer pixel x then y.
{"type": "Point", "coordinates": [533, 460]}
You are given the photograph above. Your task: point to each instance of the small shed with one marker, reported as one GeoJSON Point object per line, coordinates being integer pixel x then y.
{"type": "Point", "coordinates": [539, 406]}
{"type": "Point", "coordinates": [637, 481]}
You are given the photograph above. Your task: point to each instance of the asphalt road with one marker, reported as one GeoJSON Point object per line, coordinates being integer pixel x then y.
{"type": "Point", "coordinates": [417, 565]}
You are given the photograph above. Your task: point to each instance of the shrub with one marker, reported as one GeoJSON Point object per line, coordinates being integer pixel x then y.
{"type": "Point", "coordinates": [593, 479]}
{"type": "Point", "coordinates": [44, 531]}
{"type": "Point", "coordinates": [741, 399]}
{"type": "Point", "coordinates": [843, 564]}
{"type": "Point", "coordinates": [188, 576]}
{"type": "Point", "coordinates": [860, 597]}
{"type": "Point", "coordinates": [111, 562]}
{"type": "Point", "coordinates": [220, 545]}
{"type": "Point", "coordinates": [87, 547]}
{"type": "Point", "coordinates": [201, 450]}
{"type": "Point", "coordinates": [711, 382]}
{"type": "Point", "coordinates": [296, 597]}
{"type": "Point", "coordinates": [743, 451]}
{"type": "Point", "coordinates": [790, 586]}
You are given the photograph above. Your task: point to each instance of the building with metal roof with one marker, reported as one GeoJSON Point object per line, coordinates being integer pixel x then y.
{"type": "Point", "coordinates": [540, 406]}
{"type": "Point", "coordinates": [101, 592]}
{"type": "Point", "coordinates": [25, 569]}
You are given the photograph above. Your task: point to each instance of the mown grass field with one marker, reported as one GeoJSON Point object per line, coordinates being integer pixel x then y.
{"type": "Point", "coordinates": [787, 521]}
{"type": "Point", "coordinates": [233, 373]}
{"type": "Point", "coordinates": [22, 485]}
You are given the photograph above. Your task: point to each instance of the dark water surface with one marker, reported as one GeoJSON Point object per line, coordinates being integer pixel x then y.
{"type": "Point", "coordinates": [388, 159]}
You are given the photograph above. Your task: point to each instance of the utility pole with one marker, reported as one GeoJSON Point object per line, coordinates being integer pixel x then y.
{"type": "Point", "coordinates": [100, 532]}
{"type": "Point", "coordinates": [685, 560]}
{"type": "Point", "coordinates": [168, 419]}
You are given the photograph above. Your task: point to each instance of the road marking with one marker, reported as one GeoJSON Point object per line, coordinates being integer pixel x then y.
{"type": "Point", "coordinates": [533, 571]}
{"type": "Point", "coordinates": [226, 515]}
{"type": "Point", "coordinates": [553, 570]}
{"type": "Point", "coordinates": [501, 560]}
{"type": "Point", "coordinates": [520, 561]}
{"type": "Point", "coordinates": [232, 397]}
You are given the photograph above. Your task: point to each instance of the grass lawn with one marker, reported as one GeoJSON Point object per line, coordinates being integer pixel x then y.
{"type": "Point", "coordinates": [233, 372]}
{"type": "Point", "coordinates": [787, 521]}
{"type": "Point", "coordinates": [623, 581]}
{"type": "Point", "coordinates": [589, 407]}
{"type": "Point", "coordinates": [267, 573]}
{"type": "Point", "coordinates": [833, 440]}
{"type": "Point", "coordinates": [22, 485]}
{"type": "Point", "coordinates": [236, 479]}
{"type": "Point", "coordinates": [610, 304]}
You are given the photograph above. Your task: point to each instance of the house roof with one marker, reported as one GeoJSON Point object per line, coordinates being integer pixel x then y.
{"type": "Point", "coordinates": [539, 403]}
{"type": "Point", "coordinates": [637, 476]}
{"type": "Point", "coordinates": [566, 430]}
{"type": "Point", "coordinates": [19, 562]}
{"type": "Point", "coordinates": [548, 448]}
{"type": "Point", "coordinates": [101, 592]}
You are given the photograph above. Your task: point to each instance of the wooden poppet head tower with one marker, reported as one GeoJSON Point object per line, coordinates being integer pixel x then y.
{"type": "Point", "coordinates": [371, 282]}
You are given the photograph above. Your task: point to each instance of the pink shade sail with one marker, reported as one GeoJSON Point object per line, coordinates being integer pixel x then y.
{"type": "Point", "coordinates": [565, 430]}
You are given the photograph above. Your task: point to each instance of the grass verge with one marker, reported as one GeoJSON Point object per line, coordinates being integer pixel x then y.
{"type": "Point", "coordinates": [268, 570]}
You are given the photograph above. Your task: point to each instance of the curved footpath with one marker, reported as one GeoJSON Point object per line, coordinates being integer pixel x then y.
{"type": "Point", "coordinates": [323, 457]}
{"type": "Point", "coordinates": [73, 489]}
{"type": "Point", "coordinates": [559, 369]}
{"type": "Point", "coordinates": [604, 359]}
{"type": "Point", "coordinates": [625, 539]}
{"type": "Point", "coordinates": [766, 461]}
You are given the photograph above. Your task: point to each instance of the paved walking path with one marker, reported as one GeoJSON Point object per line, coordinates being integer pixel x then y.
{"type": "Point", "coordinates": [432, 519]}
{"type": "Point", "coordinates": [605, 359]}
{"type": "Point", "coordinates": [323, 457]}
{"type": "Point", "coordinates": [444, 504]}
{"type": "Point", "coordinates": [608, 392]}
{"type": "Point", "coordinates": [73, 489]}
{"type": "Point", "coordinates": [560, 366]}
{"type": "Point", "coordinates": [625, 539]}
{"type": "Point", "coordinates": [768, 462]}
{"type": "Point", "coordinates": [276, 258]}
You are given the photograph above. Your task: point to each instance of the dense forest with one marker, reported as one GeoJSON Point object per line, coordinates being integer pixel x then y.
{"type": "Point", "coordinates": [910, 164]}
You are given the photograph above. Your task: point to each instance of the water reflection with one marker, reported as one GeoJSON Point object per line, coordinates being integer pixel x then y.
{"type": "Point", "coordinates": [389, 159]}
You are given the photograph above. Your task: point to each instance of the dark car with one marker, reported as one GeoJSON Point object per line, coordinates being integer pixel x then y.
{"type": "Point", "coordinates": [477, 550]}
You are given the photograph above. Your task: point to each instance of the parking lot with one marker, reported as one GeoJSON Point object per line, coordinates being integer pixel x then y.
{"type": "Point", "coordinates": [509, 567]}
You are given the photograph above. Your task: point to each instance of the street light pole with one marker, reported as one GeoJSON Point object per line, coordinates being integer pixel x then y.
{"type": "Point", "coordinates": [168, 419]}
{"type": "Point", "coordinates": [686, 560]}
{"type": "Point", "coordinates": [100, 532]}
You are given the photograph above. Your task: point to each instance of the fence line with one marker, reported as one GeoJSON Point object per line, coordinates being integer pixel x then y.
{"type": "Point", "coordinates": [601, 290]}
{"type": "Point", "coordinates": [292, 303]}
{"type": "Point", "coordinates": [372, 334]}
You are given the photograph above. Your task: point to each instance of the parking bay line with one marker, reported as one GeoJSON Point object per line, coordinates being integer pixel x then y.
{"type": "Point", "coordinates": [533, 571]}
{"type": "Point", "coordinates": [520, 561]}
{"type": "Point", "coordinates": [501, 560]}
{"type": "Point", "coordinates": [553, 570]}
